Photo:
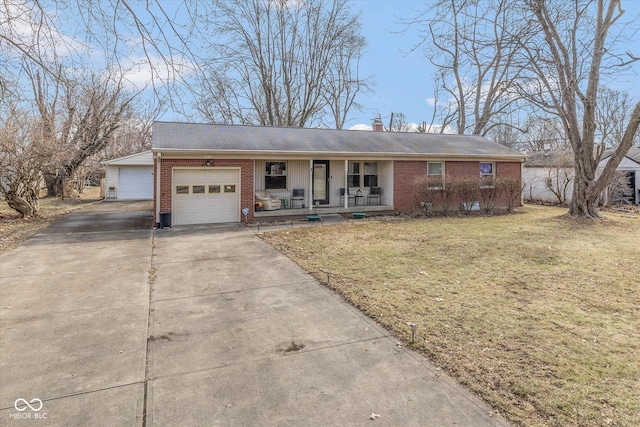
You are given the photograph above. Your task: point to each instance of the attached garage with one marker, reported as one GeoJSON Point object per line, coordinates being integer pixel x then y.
{"type": "Point", "coordinates": [130, 177]}
{"type": "Point", "coordinates": [206, 196]}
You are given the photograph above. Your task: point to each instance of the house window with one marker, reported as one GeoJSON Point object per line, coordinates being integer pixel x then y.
{"type": "Point", "coordinates": [198, 189]}
{"type": "Point", "coordinates": [214, 189]}
{"type": "Point", "coordinates": [370, 174]}
{"type": "Point", "coordinates": [275, 176]}
{"type": "Point", "coordinates": [435, 174]}
{"type": "Point", "coordinates": [182, 189]}
{"type": "Point", "coordinates": [229, 188]}
{"type": "Point", "coordinates": [487, 171]}
{"type": "Point", "coordinates": [353, 174]}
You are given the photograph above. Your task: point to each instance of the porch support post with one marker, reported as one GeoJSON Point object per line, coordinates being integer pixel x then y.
{"type": "Point", "coordinates": [310, 195]}
{"type": "Point", "coordinates": [346, 184]}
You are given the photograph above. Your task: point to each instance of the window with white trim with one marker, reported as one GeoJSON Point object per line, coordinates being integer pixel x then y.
{"type": "Point", "coordinates": [370, 174]}
{"type": "Point", "coordinates": [435, 174]}
{"type": "Point", "coordinates": [487, 174]}
{"type": "Point", "coordinates": [353, 174]}
{"type": "Point", "coordinates": [275, 176]}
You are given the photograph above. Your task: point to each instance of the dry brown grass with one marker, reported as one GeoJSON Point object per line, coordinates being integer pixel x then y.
{"type": "Point", "coordinates": [537, 314]}
{"type": "Point", "coordinates": [14, 230]}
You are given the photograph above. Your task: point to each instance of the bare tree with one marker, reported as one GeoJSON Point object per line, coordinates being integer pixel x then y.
{"type": "Point", "coordinates": [612, 114]}
{"type": "Point", "coordinates": [20, 161]}
{"type": "Point", "coordinates": [473, 45]}
{"type": "Point", "coordinates": [543, 133]}
{"type": "Point", "coordinates": [343, 83]}
{"type": "Point", "coordinates": [281, 62]}
{"type": "Point", "coordinates": [567, 61]}
{"type": "Point", "coordinates": [77, 120]}
{"type": "Point", "coordinates": [398, 123]}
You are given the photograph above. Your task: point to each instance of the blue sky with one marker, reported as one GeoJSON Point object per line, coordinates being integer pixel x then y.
{"type": "Point", "coordinates": [405, 80]}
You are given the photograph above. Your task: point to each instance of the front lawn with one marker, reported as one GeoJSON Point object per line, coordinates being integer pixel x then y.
{"type": "Point", "coordinates": [537, 314]}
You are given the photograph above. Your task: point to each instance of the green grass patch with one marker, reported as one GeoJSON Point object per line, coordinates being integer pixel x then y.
{"type": "Point", "coordinates": [538, 314]}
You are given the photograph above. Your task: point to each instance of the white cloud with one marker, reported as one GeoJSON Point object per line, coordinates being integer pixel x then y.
{"type": "Point", "coordinates": [430, 102]}
{"type": "Point", "coordinates": [361, 126]}
{"type": "Point", "coordinates": [141, 72]}
{"type": "Point", "coordinates": [37, 34]}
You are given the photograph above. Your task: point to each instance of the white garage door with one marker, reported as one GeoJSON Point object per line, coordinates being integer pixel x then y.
{"type": "Point", "coordinates": [206, 196]}
{"type": "Point", "coordinates": [135, 182]}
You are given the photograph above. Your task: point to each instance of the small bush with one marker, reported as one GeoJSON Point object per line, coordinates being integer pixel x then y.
{"type": "Point", "coordinates": [489, 194]}
{"type": "Point", "coordinates": [511, 188]}
{"type": "Point", "coordinates": [468, 190]}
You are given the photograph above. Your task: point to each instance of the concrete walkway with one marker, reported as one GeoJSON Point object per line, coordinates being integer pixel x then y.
{"type": "Point", "coordinates": [227, 331]}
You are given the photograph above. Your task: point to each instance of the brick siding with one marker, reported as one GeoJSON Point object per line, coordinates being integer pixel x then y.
{"type": "Point", "coordinates": [404, 175]}
{"type": "Point", "coordinates": [406, 198]}
{"type": "Point", "coordinates": [166, 190]}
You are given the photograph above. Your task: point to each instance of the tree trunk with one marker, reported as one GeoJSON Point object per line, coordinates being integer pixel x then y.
{"type": "Point", "coordinates": [54, 185]}
{"type": "Point", "coordinates": [20, 205]}
{"type": "Point", "coordinates": [584, 201]}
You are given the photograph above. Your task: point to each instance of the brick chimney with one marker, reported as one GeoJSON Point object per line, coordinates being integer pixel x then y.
{"type": "Point", "coordinates": [377, 126]}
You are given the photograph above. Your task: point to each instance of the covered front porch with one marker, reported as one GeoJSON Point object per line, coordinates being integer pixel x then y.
{"type": "Point", "coordinates": [323, 210]}
{"type": "Point", "coordinates": [304, 187]}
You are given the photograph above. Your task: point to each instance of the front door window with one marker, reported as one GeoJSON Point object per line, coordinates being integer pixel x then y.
{"type": "Point", "coordinates": [321, 182]}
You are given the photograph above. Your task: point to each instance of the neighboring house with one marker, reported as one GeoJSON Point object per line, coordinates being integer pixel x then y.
{"type": "Point", "coordinates": [209, 173]}
{"type": "Point", "coordinates": [548, 176]}
{"type": "Point", "coordinates": [129, 177]}
{"type": "Point", "coordinates": [630, 174]}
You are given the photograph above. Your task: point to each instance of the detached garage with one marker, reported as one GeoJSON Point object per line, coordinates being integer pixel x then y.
{"type": "Point", "coordinates": [130, 177]}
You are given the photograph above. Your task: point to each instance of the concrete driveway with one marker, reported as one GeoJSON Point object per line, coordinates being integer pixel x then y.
{"type": "Point", "coordinates": [110, 323]}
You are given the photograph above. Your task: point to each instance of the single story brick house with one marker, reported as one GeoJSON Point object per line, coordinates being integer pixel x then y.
{"type": "Point", "coordinates": [213, 173]}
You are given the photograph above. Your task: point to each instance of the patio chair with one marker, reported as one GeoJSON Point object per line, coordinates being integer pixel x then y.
{"type": "Point", "coordinates": [269, 202]}
{"type": "Point", "coordinates": [375, 194]}
{"type": "Point", "coordinates": [297, 197]}
{"type": "Point", "coordinates": [352, 197]}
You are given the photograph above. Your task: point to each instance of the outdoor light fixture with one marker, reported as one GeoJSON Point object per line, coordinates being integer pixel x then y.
{"type": "Point", "coordinates": [413, 331]}
{"type": "Point", "coordinates": [208, 162]}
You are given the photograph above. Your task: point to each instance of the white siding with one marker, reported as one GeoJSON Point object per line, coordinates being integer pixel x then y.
{"type": "Point", "coordinates": [535, 183]}
{"type": "Point", "coordinates": [630, 166]}
{"type": "Point", "coordinates": [111, 177]}
{"type": "Point", "coordinates": [297, 176]}
{"type": "Point", "coordinates": [139, 159]}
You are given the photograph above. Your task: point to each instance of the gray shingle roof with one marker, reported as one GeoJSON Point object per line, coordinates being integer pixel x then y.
{"type": "Point", "coordinates": [633, 154]}
{"type": "Point", "coordinates": [264, 139]}
{"type": "Point", "coordinates": [550, 159]}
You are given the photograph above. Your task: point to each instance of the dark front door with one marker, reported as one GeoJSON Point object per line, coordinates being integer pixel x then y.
{"type": "Point", "coordinates": [321, 182]}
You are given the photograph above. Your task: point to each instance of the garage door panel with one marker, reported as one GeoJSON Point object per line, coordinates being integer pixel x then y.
{"type": "Point", "coordinates": [206, 208]}
{"type": "Point", "coordinates": [135, 183]}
